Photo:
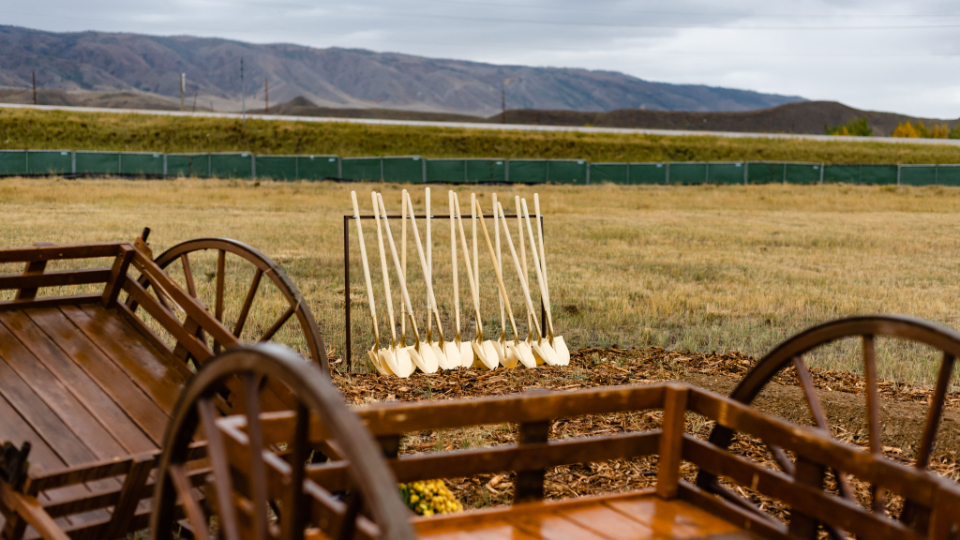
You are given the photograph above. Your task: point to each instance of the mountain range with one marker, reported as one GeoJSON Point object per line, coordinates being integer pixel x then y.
{"type": "Point", "coordinates": [334, 77]}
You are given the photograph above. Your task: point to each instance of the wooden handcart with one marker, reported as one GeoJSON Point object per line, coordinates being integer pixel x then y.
{"type": "Point", "coordinates": [97, 342]}
{"type": "Point", "coordinates": [266, 480]}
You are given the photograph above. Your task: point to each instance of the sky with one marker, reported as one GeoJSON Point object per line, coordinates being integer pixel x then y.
{"type": "Point", "coordinates": [879, 54]}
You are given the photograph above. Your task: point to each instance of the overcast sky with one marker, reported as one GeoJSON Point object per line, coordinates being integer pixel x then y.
{"type": "Point", "coordinates": [879, 54]}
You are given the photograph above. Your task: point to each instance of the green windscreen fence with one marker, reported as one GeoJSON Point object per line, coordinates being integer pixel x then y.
{"type": "Point", "coordinates": [567, 171]}
{"type": "Point", "coordinates": [724, 173]}
{"type": "Point", "coordinates": [802, 173]}
{"type": "Point", "coordinates": [447, 171]}
{"type": "Point", "coordinates": [403, 170]}
{"type": "Point", "coordinates": [527, 171]}
{"type": "Point", "coordinates": [361, 169]}
{"type": "Point", "coordinates": [276, 168]}
{"type": "Point", "coordinates": [49, 162]}
{"type": "Point", "coordinates": [13, 162]}
{"type": "Point", "coordinates": [948, 175]}
{"type": "Point", "coordinates": [766, 173]}
{"type": "Point", "coordinates": [485, 171]}
{"type": "Point", "coordinates": [188, 165]}
{"type": "Point", "coordinates": [647, 173]}
{"type": "Point", "coordinates": [614, 173]}
{"type": "Point", "coordinates": [919, 175]}
{"type": "Point", "coordinates": [688, 173]}
{"type": "Point", "coordinates": [98, 162]}
{"type": "Point", "coordinates": [141, 164]}
{"type": "Point", "coordinates": [317, 167]}
{"type": "Point", "coordinates": [845, 174]}
{"type": "Point", "coordinates": [231, 165]}
{"type": "Point", "coordinates": [878, 175]}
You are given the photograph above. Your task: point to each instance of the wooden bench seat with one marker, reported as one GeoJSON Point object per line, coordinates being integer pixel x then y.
{"type": "Point", "coordinates": [634, 516]}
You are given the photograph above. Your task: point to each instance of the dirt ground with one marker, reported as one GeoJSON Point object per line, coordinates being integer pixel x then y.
{"type": "Point", "coordinates": [903, 409]}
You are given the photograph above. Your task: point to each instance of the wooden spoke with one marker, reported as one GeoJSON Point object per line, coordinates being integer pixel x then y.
{"type": "Point", "coordinates": [188, 275]}
{"type": "Point", "coordinates": [221, 277]}
{"type": "Point", "coordinates": [280, 322]}
{"type": "Point", "coordinates": [221, 470]}
{"type": "Point", "coordinates": [936, 411]}
{"type": "Point", "coordinates": [873, 409]}
{"type": "Point", "coordinates": [295, 500]}
{"type": "Point", "coordinates": [191, 506]}
{"type": "Point", "coordinates": [247, 302]}
{"type": "Point", "coordinates": [258, 469]}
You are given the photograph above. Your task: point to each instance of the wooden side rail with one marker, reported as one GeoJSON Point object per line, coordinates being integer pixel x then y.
{"type": "Point", "coordinates": [802, 491]}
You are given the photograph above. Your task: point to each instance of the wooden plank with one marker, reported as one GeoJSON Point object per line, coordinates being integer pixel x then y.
{"type": "Point", "coordinates": [60, 401]}
{"type": "Point", "coordinates": [810, 501]}
{"type": "Point", "coordinates": [162, 381]}
{"type": "Point", "coordinates": [93, 398]}
{"type": "Point", "coordinates": [43, 420]}
{"type": "Point", "coordinates": [551, 526]}
{"type": "Point", "coordinates": [118, 274]}
{"type": "Point", "coordinates": [603, 519]}
{"type": "Point", "coordinates": [33, 269]}
{"type": "Point", "coordinates": [398, 418]}
{"type": "Point", "coordinates": [671, 440]}
{"type": "Point", "coordinates": [49, 301]}
{"type": "Point", "coordinates": [49, 253]}
{"type": "Point", "coordinates": [408, 468]}
{"type": "Point", "coordinates": [14, 429]}
{"type": "Point", "coordinates": [60, 278]}
{"type": "Point", "coordinates": [814, 445]}
{"type": "Point", "coordinates": [130, 493]}
{"type": "Point", "coordinates": [163, 315]}
{"type": "Point", "coordinates": [31, 511]}
{"type": "Point", "coordinates": [129, 397]}
{"type": "Point", "coordinates": [673, 518]}
{"type": "Point", "coordinates": [494, 530]}
{"type": "Point", "coordinates": [764, 528]}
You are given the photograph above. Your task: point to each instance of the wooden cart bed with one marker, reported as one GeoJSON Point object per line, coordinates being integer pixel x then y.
{"type": "Point", "coordinates": [632, 516]}
{"type": "Point", "coordinates": [89, 386]}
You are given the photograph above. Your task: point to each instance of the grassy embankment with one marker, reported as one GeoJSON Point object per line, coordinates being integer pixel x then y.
{"type": "Point", "coordinates": [693, 268]}
{"type": "Point", "coordinates": [134, 132]}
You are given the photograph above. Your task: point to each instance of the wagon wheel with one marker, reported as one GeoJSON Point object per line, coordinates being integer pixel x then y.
{"type": "Point", "coordinates": [232, 272]}
{"type": "Point", "coordinates": [240, 507]}
{"type": "Point", "coordinates": [790, 353]}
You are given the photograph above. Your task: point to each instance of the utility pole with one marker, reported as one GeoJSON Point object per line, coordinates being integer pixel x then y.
{"type": "Point", "coordinates": [503, 102]}
{"type": "Point", "coordinates": [243, 98]}
{"type": "Point", "coordinates": [34, 87]}
{"type": "Point", "coordinates": [183, 85]}
{"type": "Point", "coordinates": [266, 95]}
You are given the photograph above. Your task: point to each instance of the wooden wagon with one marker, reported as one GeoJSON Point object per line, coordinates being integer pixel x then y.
{"type": "Point", "coordinates": [266, 480]}
{"type": "Point", "coordinates": [96, 344]}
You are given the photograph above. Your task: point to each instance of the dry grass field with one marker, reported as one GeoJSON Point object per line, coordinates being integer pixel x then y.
{"type": "Point", "coordinates": [735, 268]}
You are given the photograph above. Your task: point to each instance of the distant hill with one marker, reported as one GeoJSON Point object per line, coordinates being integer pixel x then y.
{"type": "Point", "coordinates": [335, 77]}
{"type": "Point", "coordinates": [808, 117]}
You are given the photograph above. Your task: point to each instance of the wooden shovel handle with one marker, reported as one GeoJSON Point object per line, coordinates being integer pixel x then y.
{"type": "Point", "coordinates": [396, 263]}
{"type": "Point", "coordinates": [386, 274]}
{"type": "Point", "coordinates": [493, 259]}
{"type": "Point", "coordinates": [523, 278]}
{"type": "Point", "coordinates": [431, 302]}
{"type": "Point", "coordinates": [541, 279]}
{"type": "Point", "coordinates": [366, 270]}
{"type": "Point", "coordinates": [466, 259]}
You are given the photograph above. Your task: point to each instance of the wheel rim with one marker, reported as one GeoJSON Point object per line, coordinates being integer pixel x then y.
{"type": "Point", "coordinates": [867, 328]}
{"type": "Point", "coordinates": [264, 267]}
{"type": "Point", "coordinates": [373, 480]}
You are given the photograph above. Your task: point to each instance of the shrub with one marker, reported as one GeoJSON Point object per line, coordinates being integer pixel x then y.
{"type": "Point", "coordinates": [858, 127]}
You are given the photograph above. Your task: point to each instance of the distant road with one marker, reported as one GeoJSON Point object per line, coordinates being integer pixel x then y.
{"type": "Point", "coordinates": [502, 127]}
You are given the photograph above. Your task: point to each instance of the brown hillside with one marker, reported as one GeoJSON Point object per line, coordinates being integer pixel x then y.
{"type": "Point", "coordinates": [803, 117]}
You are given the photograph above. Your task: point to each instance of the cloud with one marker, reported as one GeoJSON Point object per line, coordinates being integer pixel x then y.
{"type": "Point", "coordinates": [881, 55]}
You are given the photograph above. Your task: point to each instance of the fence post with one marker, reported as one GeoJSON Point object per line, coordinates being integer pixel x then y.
{"type": "Point", "coordinates": [73, 162]}
{"type": "Point", "coordinates": [381, 168]}
{"type": "Point", "coordinates": [587, 165]}
{"type": "Point", "coordinates": [783, 178]}
{"type": "Point", "coordinates": [253, 167]}
{"type": "Point", "coordinates": [339, 167]}
{"type": "Point", "coordinates": [667, 182]}
{"type": "Point", "coordinates": [821, 172]}
{"type": "Point", "coordinates": [164, 165]}
{"type": "Point", "coordinates": [296, 168]}
{"type": "Point", "coordinates": [746, 168]}
{"type": "Point", "coordinates": [26, 162]}
{"type": "Point", "coordinates": [506, 170]}
{"type": "Point", "coordinates": [628, 174]}
{"type": "Point", "coordinates": [423, 169]}
{"type": "Point", "coordinates": [898, 173]}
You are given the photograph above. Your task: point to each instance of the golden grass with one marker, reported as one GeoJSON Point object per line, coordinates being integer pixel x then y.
{"type": "Point", "coordinates": [698, 268]}
{"type": "Point", "coordinates": [23, 128]}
